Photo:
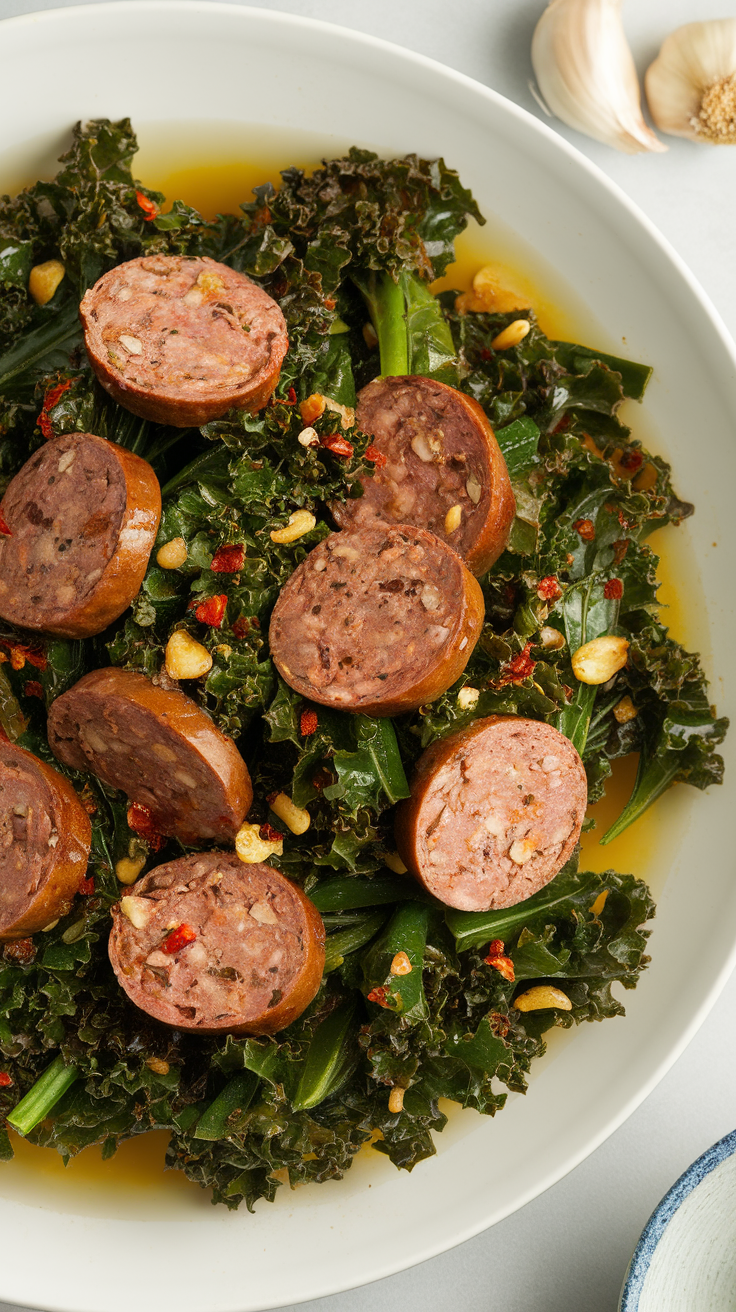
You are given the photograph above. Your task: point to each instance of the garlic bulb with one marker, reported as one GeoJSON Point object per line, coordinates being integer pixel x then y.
{"type": "Point", "coordinates": [691, 86]}
{"type": "Point", "coordinates": [586, 73]}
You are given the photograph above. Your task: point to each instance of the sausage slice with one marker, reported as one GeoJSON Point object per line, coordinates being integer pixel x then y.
{"type": "Point", "coordinates": [83, 516]}
{"type": "Point", "coordinates": [441, 459]}
{"type": "Point", "coordinates": [495, 811]}
{"type": "Point", "coordinates": [180, 340]}
{"type": "Point", "coordinates": [158, 747]}
{"type": "Point", "coordinates": [378, 621]}
{"type": "Point", "coordinates": [213, 946]}
{"type": "Point", "coordinates": [45, 837]}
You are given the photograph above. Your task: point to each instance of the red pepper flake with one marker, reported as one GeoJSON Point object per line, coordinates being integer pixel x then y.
{"type": "Point", "coordinates": [330, 303]}
{"type": "Point", "coordinates": [496, 947]}
{"type": "Point", "coordinates": [562, 424]}
{"type": "Point", "coordinates": [308, 723]}
{"type": "Point", "coordinates": [631, 461]}
{"type": "Point", "coordinates": [620, 547]}
{"type": "Point", "coordinates": [376, 457]}
{"type": "Point", "coordinates": [290, 398]}
{"type": "Point", "coordinates": [337, 445]}
{"type": "Point", "coordinates": [586, 529]}
{"type": "Point", "coordinates": [50, 399]}
{"type": "Point", "coordinates": [485, 354]}
{"type": "Point", "coordinates": [241, 627]}
{"type": "Point", "coordinates": [261, 218]}
{"type": "Point", "coordinates": [86, 886]}
{"type": "Point", "coordinates": [500, 1025]}
{"type": "Point", "coordinates": [228, 559]}
{"type": "Point", "coordinates": [548, 589]}
{"type": "Point", "coordinates": [149, 207]}
{"type": "Point", "coordinates": [19, 655]}
{"type": "Point", "coordinates": [379, 995]}
{"type": "Point", "coordinates": [140, 821]}
{"type": "Point", "coordinates": [269, 834]}
{"type": "Point", "coordinates": [212, 611]}
{"type": "Point", "coordinates": [504, 965]}
{"type": "Point", "coordinates": [33, 689]}
{"type": "Point", "coordinates": [5, 1080]}
{"type": "Point", "coordinates": [322, 778]}
{"type": "Point", "coordinates": [519, 668]}
{"type": "Point", "coordinates": [22, 950]}
{"type": "Point", "coordinates": [613, 590]}
{"type": "Point", "coordinates": [4, 527]}
{"type": "Point", "coordinates": [178, 939]}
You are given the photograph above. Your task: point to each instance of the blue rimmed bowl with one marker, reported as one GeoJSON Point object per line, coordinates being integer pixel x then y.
{"type": "Point", "coordinates": [685, 1260]}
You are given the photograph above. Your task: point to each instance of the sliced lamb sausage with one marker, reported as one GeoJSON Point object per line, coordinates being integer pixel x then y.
{"type": "Point", "coordinates": [83, 516]}
{"type": "Point", "coordinates": [45, 837]}
{"type": "Point", "coordinates": [158, 747]}
{"type": "Point", "coordinates": [379, 620]}
{"type": "Point", "coordinates": [180, 340]}
{"type": "Point", "coordinates": [213, 946]}
{"type": "Point", "coordinates": [495, 811]}
{"type": "Point", "coordinates": [442, 458]}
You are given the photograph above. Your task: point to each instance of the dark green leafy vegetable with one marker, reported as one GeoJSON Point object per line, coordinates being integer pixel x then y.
{"type": "Point", "coordinates": [361, 238]}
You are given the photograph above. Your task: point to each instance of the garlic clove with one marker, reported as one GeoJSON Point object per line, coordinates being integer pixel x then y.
{"type": "Point", "coordinates": [691, 86]}
{"type": "Point", "coordinates": [586, 73]}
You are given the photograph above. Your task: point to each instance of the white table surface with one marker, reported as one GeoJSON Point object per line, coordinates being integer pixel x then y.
{"type": "Point", "coordinates": [568, 1250]}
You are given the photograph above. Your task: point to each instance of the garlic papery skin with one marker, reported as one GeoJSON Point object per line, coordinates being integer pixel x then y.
{"type": "Point", "coordinates": [691, 86]}
{"type": "Point", "coordinates": [586, 74]}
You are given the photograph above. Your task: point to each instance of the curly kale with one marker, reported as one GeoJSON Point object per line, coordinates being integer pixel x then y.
{"type": "Point", "coordinates": [376, 1050]}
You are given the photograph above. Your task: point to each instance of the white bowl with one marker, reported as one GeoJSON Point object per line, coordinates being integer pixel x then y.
{"type": "Point", "coordinates": [168, 61]}
{"type": "Point", "coordinates": [685, 1260]}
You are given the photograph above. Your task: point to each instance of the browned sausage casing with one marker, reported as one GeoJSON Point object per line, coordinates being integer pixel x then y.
{"type": "Point", "coordinates": [440, 452]}
{"type": "Point", "coordinates": [158, 747]}
{"type": "Point", "coordinates": [495, 811]}
{"type": "Point", "coordinates": [83, 516]}
{"type": "Point", "coordinates": [378, 621]}
{"type": "Point", "coordinates": [45, 837]}
{"type": "Point", "coordinates": [256, 961]}
{"type": "Point", "coordinates": [180, 340]}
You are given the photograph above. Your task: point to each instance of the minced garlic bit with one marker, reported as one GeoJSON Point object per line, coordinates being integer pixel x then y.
{"type": "Point", "coordinates": [186, 658]}
{"type": "Point", "coordinates": [128, 868]}
{"type": "Point", "coordinates": [44, 279]}
{"type": "Point", "coordinates": [301, 522]}
{"type": "Point", "coordinates": [172, 555]}
{"type": "Point", "coordinates": [394, 862]}
{"type": "Point", "coordinates": [396, 1099]}
{"type": "Point", "coordinates": [296, 818]}
{"type": "Point", "coordinates": [541, 998]}
{"type": "Point", "coordinates": [252, 849]}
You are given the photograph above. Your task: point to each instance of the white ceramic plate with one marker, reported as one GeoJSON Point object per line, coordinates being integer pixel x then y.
{"type": "Point", "coordinates": [166, 61]}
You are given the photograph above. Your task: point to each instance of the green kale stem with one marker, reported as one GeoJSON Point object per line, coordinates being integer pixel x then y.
{"type": "Point", "coordinates": [350, 892]}
{"type": "Point", "coordinates": [43, 1096]}
{"type": "Point", "coordinates": [345, 941]}
{"type": "Point", "coordinates": [387, 308]}
{"type": "Point", "coordinates": [329, 1059]}
{"type": "Point", "coordinates": [236, 1096]}
{"type": "Point", "coordinates": [61, 330]}
{"type": "Point", "coordinates": [574, 720]}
